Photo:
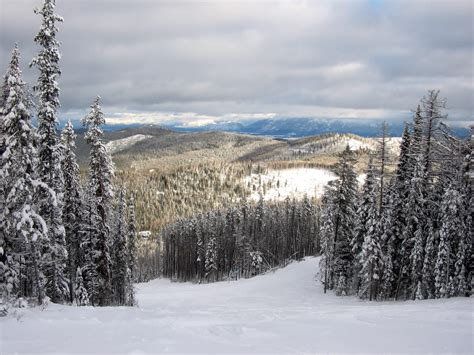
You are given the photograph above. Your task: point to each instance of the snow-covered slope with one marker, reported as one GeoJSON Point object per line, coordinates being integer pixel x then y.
{"type": "Point", "coordinates": [297, 182]}
{"type": "Point", "coordinates": [281, 312]}
{"type": "Point", "coordinates": [277, 185]}
{"type": "Point", "coordinates": [124, 143]}
{"type": "Point", "coordinates": [336, 143]}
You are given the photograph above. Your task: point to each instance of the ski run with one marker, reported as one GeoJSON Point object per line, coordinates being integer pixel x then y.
{"type": "Point", "coordinates": [284, 311]}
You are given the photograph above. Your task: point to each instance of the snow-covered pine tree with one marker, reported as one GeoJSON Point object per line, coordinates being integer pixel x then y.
{"type": "Point", "coordinates": [101, 172]}
{"type": "Point", "coordinates": [89, 235]}
{"type": "Point", "coordinates": [328, 212]}
{"type": "Point", "coordinates": [132, 251]}
{"type": "Point", "coordinates": [345, 205]}
{"type": "Point", "coordinates": [211, 260]}
{"type": "Point", "coordinates": [119, 252]}
{"type": "Point", "coordinates": [452, 227]}
{"type": "Point", "coordinates": [460, 279]}
{"type": "Point", "coordinates": [397, 214]}
{"type": "Point", "coordinates": [370, 257]}
{"type": "Point", "coordinates": [412, 252]}
{"type": "Point", "coordinates": [384, 227]}
{"type": "Point", "coordinates": [49, 152]}
{"type": "Point", "coordinates": [72, 204]}
{"type": "Point", "coordinates": [365, 210]}
{"type": "Point", "coordinates": [81, 297]}
{"type": "Point", "coordinates": [427, 278]}
{"type": "Point", "coordinates": [23, 229]}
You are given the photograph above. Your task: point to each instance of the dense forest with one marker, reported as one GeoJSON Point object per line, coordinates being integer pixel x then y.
{"type": "Point", "coordinates": [240, 241]}
{"type": "Point", "coordinates": [407, 237]}
{"type": "Point", "coordinates": [60, 239]}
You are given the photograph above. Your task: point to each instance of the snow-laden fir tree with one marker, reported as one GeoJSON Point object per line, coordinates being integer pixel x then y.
{"type": "Point", "coordinates": [370, 257]}
{"type": "Point", "coordinates": [460, 278]}
{"type": "Point", "coordinates": [427, 278]}
{"type": "Point", "coordinates": [386, 237]}
{"type": "Point", "coordinates": [119, 252]}
{"type": "Point", "coordinates": [343, 200]}
{"type": "Point", "coordinates": [49, 152]}
{"type": "Point", "coordinates": [211, 260]}
{"type": "Point", "coordinates": [398, 211]}
{"type": "Point", "coordinates": [81, 297]}
{"type": "Point", "coordinates": [413, 235]}
{"type": "Point", "coordinates": [101, 172]}
{"type": "Point", "coordinates": [89, 235]}
{"type": "Point", "coordinates": [328, 212]}
{"type": "Point", "coordinates": [452, 228]}
{"type": "Point", "coordinates": [365, 213]}
{"type": "Point", "coordinates": [72, 204]}
{"type": "Point", "coordinates": [132, 251]}
{"type": "Point", "coordinates": [24, 231]}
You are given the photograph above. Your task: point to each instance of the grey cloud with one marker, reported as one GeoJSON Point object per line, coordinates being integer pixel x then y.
{"type": "Point", "coordinates": [284, 57]}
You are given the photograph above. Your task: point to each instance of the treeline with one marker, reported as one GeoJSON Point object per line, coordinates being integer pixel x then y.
{"type": "Point", "coordinates": [409, 237]}
{"type": "Point", "coordinates": [56, 234]}
{"type": "Point", "coordinates": [240, 241]}
{"type": "Point", "coordinates": [166, 194]}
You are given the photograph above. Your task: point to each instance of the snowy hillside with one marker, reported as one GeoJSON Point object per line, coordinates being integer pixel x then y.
{"type": "Point", "coordinates": [285, 311]}
{"type": "Point", "coordinates": [293, 183]}
{"type": "Point", "coordinates": [335, 143]}
{"type": "Point", "coordinates": [124, 143]}
{"type": "Point", "coordinates": [280, 184]}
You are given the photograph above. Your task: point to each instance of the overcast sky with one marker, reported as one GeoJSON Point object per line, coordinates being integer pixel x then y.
{"type": "Point", "coordinates": [200, 61]}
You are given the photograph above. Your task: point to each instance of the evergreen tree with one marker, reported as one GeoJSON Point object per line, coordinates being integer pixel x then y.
{"type": "Point", "coordinates": [383, 161]}
{"type": "Point", "coordinates": [100, 185]}
{"type": "Point", "coordinates": [23, 228]}
{"type": "Point", "coordinates": [327, 237]}
{"type": "Point", "coordinates": [365, 217]}
{"type": "Point", "coordinates": [49, 168]}
{"type": "Point", "coordinates": [119, 254]}
{"type": "Point", "coordinates": [81, 296]}
{"type": "Point", "coordinates": [88, 245]}
{"type": "Point", "coordinates": [413, 235]}
{"type": "Point", "coordinates": [344, 209]}
{"type": "Point", "coordinates": [397, 215]}
{"type": "Point", "coordinates": [211, 260]}
{"type": "Point", "coordinates": [452, 227]}
{"type": "Point", "coordinates": [461, 284]}
{"type": "Point", "coordinates": [370, 257]}
{"type": "Point", "coordinates": [72, 204]}
{"type": "Point", "coordinates": [132, 253]}
{"type": "Point", "coordinates": [427, 278]}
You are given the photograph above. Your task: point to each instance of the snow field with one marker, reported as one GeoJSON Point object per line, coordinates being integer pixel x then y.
{"type": "Point", "coordinates": [124, 143]}
{"type": "Point", "coordinates": [284, 311]}
{"type": "Point", "coordinates": [295, 182]}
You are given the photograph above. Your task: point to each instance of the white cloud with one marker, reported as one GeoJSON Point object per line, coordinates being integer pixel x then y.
{"type": "Point", "coordinates": [195, 61]}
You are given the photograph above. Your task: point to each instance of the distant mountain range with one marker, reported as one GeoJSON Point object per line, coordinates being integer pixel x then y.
{"type": "Point", "coordinates": [299, 127]}
{"type": "Point", "coordinates": [284, 128]}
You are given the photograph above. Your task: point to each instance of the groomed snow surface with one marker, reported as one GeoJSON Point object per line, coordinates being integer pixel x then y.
{"type": "Point", "coordinates": [284, 311]}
